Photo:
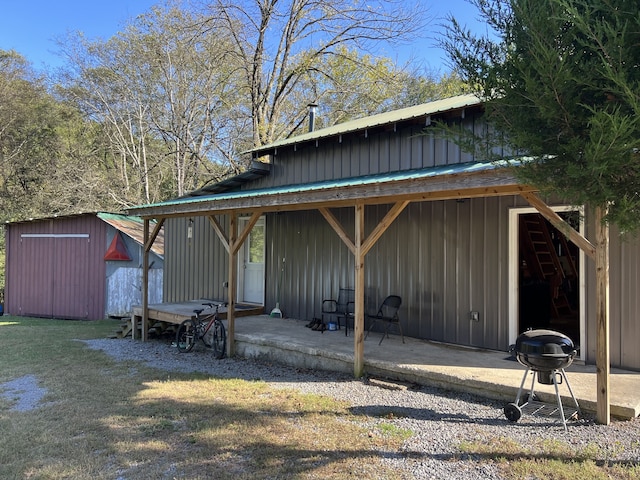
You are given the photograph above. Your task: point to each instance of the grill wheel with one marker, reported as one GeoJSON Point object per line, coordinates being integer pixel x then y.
{"type": "Point", "coordinates": [513, 412]}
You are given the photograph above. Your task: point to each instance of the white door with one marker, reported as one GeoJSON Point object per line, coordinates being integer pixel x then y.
{"type": "Point", "coordinates": [251, 264]}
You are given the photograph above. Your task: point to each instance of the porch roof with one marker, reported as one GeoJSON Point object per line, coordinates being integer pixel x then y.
{"type": "Point", "coordinates": [476, 179]}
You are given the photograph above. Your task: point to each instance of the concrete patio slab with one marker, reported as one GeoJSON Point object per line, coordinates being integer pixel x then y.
{"type": "Point", "coordinates": [492, 374]}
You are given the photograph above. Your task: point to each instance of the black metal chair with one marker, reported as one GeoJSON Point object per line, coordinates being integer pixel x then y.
{"type": "Point", "coordinates": [341, 308]}
{"type": "Point", "coordinates": [387, 314]}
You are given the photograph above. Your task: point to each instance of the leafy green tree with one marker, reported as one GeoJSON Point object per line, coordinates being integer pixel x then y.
{"type": "Point", "coordinates": [562, 84]}
{"type": "Point", "coordinates": [420, 88]}
{"type": "Point", "coordinates": [28, 140]}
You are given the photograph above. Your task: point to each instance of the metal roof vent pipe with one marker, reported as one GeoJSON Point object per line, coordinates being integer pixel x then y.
{"type": "Point", "coordinates": [313, 107]}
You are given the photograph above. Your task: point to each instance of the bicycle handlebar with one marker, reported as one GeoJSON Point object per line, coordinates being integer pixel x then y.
{"type": "Point", "coordinates": [216, 304]}
{"type": "Point", "coordinates": [210, 305]}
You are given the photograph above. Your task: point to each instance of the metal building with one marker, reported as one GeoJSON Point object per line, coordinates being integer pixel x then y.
{"type": "Point", "coordinates": [85, 266]}
{"type": "Point", "coordinates": [388, 206]}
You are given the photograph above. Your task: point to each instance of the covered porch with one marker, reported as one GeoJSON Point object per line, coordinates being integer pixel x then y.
{"type": "Point", "coordinates": [397, 190]}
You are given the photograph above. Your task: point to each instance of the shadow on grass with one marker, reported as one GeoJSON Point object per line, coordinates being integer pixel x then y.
{"type": "Point", "coordinates": [105, 418]}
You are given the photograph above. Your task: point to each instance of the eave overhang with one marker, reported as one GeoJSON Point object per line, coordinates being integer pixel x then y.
{"type": "Point", "coordinates": [458, 181]}
{"type": "Point", "coordinates": [424, 113]}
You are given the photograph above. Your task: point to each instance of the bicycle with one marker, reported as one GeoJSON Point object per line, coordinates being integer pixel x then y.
{"type": "Point", "coordinates": [198, 327]}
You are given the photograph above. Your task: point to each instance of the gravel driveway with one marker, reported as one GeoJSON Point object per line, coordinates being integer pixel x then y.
{"type": "Point", "coordinates": [440, 420]}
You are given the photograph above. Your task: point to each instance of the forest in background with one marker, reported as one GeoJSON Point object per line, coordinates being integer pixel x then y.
{"type": "Point", "coordinates": [170, 103]}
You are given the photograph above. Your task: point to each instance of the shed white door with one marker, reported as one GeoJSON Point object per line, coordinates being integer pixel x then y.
{"type": "Point", "coordinates": [251, 265]}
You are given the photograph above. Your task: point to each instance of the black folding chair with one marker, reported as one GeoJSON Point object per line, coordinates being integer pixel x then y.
{"type": "Point", "coordinates": [340, 308]}
{"type": "Point", "coordinates": [387, 314]}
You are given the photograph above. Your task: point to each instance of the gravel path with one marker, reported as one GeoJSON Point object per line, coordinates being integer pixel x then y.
{"type": "Point", "coordinates": [440, 420]}
{"type": "Point", "coordinates": [23, 392]}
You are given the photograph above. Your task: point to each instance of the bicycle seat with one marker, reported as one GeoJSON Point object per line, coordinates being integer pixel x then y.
{"type": "Point", "coordinates": [198, 311]}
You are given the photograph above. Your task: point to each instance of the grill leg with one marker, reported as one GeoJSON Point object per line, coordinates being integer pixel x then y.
{"type": "Point", "coordinates": [524, 379]}
{"type": "Point", "coordinates": [533, 386]}
{"type": "Point", "coordinates": [564, 375]}
{"type": "Point", "coordinates": [555, 384]}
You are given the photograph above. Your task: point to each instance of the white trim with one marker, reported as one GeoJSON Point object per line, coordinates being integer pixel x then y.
{"type": "Point", "coordinates": [514, 214]}
{"type": "Point", "coordinates": [54, 235]}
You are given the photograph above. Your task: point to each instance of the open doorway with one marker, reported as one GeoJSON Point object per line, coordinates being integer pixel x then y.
{"type": "Point", "coordinates": [546, 271]}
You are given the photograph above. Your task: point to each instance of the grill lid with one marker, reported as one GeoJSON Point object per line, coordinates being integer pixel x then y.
{"type": "Point", "coordinates": [544, 342]}
{"type": "Point", "coordinates": [544, 350]}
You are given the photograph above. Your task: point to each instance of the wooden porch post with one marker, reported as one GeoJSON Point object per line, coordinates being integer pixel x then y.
{"type": "Point", "coordinates": [145, 284]}
{"type": "Point", "coordinates": [603, 360]}
{"type": "Point", "coordinates": [148, 240]}
{"type": "Point", "coordinates": [232, 287]}
{"type": "Point", "coordinates": [358, 322]}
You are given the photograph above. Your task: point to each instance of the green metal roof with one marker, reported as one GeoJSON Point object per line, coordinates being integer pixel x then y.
{"type": "Point", "coordinates": [133, 227]}
{"type": "Point", "coordinates": [388, 118]}
{"type": "Point", "coordinates": [368, 180]}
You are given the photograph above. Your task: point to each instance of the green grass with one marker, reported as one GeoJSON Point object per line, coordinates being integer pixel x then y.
{"type": "Point", "coordinates": [103, 419]}
{"type": "Point", "coordinates": [549, 459]}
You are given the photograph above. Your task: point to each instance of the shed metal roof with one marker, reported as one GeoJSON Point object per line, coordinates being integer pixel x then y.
{"type": "Point", "coordinates": [388, 118]}
{"type": "Point", "coordinates": [134, 228]}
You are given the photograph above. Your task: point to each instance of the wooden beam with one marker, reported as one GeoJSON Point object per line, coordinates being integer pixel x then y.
{"type": "Point", "coordinates": [337, 227]}
{"type": "Point", "coordinates": [148, 243]}
{"type": "Point", "coordinates": [388, 219]}
{"type": "Point", "coordinates": [245, 232]}
{"type": "Point", "coordinates": [217, 227]}
{"type": "Point", "coordinates": [358, 320]}
{"type": "Point", "coordinates": [145, 281]}
{"type": "Point", "coordinates": [232, 287]}
{"type": "Point", "coordinates": [440, 187]}
{"type": "Point", "coordinates": [603, 361]}
{"type": "Point", "coordinates": [585, 245]}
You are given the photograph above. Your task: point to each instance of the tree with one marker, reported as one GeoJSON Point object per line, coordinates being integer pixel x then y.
{"type": "Point", "coordinates": [186, 91]}
{"type": "Point", "coordinates": [420, 88]}
{"type": "Point", "coordinates": [283, 44]}
{"type": "Point", "coordinates": [165, 93]}
{"type": "Point", "coordinates": [355, 85]}
{"type": "Point", "coordinates": [28, 139]}
{"type": "Point", "coordinates": [561, 82]}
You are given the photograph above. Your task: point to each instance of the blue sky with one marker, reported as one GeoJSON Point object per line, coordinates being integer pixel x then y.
{"type": "Point", "coordinates": [31, 26]}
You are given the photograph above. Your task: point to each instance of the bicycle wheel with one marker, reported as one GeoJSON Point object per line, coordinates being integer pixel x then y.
{"type": "Point", "coordinates": [186, 335]}
{"type": "Point", "coordinates": [219, 343]}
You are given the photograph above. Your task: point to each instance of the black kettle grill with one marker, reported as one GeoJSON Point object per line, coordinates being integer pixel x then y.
{"type": "Point", "coordinates": [547, 353]}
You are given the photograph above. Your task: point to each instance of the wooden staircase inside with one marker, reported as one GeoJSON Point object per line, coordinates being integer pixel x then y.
{"type": "Point", "coordinates": [547, 257]}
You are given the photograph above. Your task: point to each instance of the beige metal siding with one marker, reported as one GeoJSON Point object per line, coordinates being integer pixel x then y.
{"type": "Point", "coordinates": [197, 267]}
{"type": "Point", "coordinates": [624, 292]}
{"type": "Point", "coordinates": [440, 257]}
{"type": "Point", "coordinates": [378, 152]}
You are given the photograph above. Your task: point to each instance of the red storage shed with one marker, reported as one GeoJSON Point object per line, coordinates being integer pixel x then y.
{"type": "Point", "coordinates": [58, 267]}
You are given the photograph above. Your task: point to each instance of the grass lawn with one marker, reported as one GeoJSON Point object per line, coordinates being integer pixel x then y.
{"type": "Point", "coordinates": [105, 419]}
